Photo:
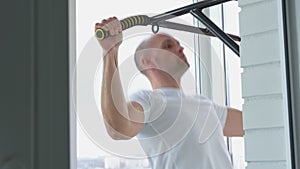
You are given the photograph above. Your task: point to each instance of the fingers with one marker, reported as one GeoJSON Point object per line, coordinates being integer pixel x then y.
{"type": "Point", "coordinates": [111, 24]}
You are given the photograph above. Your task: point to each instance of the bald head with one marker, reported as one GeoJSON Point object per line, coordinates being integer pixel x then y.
{"type": "Point", "coordinates": [141, 50]}
{"type": "Point", "coordinates": [139, 53]}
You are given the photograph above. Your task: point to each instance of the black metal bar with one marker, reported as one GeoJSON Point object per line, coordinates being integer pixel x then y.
{"type": "Point", "coordinates": [192, 29]}
{"type": "Point", "coordinates": [288, 16]}
{"type": "Point", "coordinates": [216, 30]}
{"type": "Point", "coordinates": [195, 9]}
{"type": "Point", "coordinates": [186, 9]}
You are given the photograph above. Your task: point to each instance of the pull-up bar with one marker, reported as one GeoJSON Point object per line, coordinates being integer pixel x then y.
{"type": "Point", "coordinates": [194, 9]}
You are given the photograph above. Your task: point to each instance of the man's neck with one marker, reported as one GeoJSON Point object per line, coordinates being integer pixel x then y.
{"type": "Point", "coordinates": [164, 80]}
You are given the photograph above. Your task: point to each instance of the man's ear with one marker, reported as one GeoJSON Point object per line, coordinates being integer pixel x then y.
{"type": "Point", "coordinates": [147, 62]}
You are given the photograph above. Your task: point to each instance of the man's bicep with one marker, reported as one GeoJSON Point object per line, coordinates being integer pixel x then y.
{"type": "Point", "coordinates": [234, 123]}
{"type": "Point", "coordinates": [136, 118]}
{"type": "Point", "coordinates": [131, 125]}
{"type": "Point", "coordinates": [136, 112]}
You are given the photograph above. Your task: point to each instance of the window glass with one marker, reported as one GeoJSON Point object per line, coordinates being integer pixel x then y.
{"type": "Point", "coordinates": [231, 25]}
{"type": "Point", "coordinates": [216, 77]}
{"type": "Point", "coordinates": [92, 151]}
{"type": "Point", "coordinates": [220, 72]}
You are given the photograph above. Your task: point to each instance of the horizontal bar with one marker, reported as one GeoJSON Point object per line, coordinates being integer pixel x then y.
{"type": "Point", "coordinates": [186, 9]}
{"type": "Point", "coordinates": [192, 29]}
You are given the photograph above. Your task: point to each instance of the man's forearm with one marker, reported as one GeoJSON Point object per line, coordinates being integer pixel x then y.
{"type": "Point", "coordinates": [113, 104]}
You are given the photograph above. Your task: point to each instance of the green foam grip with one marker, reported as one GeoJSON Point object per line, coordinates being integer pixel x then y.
{"type": "Point", "coordinates": [125, 23]}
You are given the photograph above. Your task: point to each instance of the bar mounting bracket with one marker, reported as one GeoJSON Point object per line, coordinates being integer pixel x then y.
{"type": "Point", "coordinates": [196, 10]}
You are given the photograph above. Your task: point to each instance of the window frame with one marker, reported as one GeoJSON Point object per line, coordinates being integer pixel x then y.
{"type": "Point", "coordinates": [202, 80]}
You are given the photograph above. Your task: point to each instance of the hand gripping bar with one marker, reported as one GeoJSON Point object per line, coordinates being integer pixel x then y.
{"type": "Point", "coordinates": [125, 23]}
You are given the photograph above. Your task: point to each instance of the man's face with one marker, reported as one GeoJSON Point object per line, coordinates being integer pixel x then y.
{"type": "Point", "coordinates": [168, 54]}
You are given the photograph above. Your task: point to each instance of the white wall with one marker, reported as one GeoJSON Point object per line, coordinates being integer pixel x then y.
{"type": "Point", "coordinates": [264, 85]}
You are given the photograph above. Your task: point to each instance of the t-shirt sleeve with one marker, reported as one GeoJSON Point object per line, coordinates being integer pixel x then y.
{"type": "Point", "coordinates": [142, 97]}
{"type": "Point", "coordinates": [221, 113]}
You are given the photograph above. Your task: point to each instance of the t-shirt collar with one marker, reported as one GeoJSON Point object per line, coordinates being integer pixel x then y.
{"type": "Point", "coordinates": [170, 91]}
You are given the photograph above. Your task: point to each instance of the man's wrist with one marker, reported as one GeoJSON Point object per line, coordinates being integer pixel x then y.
{"type": "Point", "coordinates": [111, 55]}
{"type": "Point", "coordinates": [110, 50]}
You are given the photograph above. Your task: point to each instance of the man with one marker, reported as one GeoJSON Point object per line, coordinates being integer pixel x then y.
{"type": "Point", "coordinates": [175, 131]}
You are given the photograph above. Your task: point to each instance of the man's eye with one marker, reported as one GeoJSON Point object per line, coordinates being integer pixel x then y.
{"type": "Point", "coordinates": [168, 46]}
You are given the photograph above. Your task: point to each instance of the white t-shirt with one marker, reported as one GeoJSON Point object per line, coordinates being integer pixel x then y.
{"type": "Point", "coordinates": [182, 132]}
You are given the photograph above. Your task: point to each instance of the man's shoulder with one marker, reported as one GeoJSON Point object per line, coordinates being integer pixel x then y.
{"type": "Point", "coordinates": [201, 97]}
{"type": "Point", "coordinates": [141, 92]}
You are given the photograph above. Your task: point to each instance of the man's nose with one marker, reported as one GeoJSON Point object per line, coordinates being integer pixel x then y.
{"type": "Point", "coordinates": [180, 49]}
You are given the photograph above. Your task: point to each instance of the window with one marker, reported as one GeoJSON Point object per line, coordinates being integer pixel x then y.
{"type": "Point", "coordinates": [211, 74]}
{"type": "Point", "coordinates": [233, 71]}
{"type": "Point", "coordinates": [219, 70]}
{"type": "Point", "coordinates": [94, 147]}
